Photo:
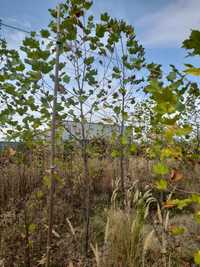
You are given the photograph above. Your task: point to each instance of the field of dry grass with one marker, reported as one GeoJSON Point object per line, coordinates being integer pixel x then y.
{"type": "Point", "coordinates": [124, 238]}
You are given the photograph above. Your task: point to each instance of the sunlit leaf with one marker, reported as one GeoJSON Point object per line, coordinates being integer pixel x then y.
{"type": "Point", "coordinates": [197, 257]}
{"type": "Point", "coordinates": [160, 168]}
{"type": "Point", "coordinates": [133, 148]}
{"type": "Point", "coordinates": [177, 230]}
{"type": "Point", "coordinates": [197, 217]}
{"type": "Point", "coordinates": [193, 71]}
{"type": "Point", "coordinates": [161, 184]}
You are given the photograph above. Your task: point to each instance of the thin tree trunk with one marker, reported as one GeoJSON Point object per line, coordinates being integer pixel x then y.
{"type": "Point", "coordinates": [122, 172]}
{"type": "Point", "coordinates": [86, 182]}
{"type": "Point", "coordinates": [53, 146]}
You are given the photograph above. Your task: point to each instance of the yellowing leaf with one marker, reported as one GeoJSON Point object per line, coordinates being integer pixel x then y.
{"type": "Point", "coordinates": [47, 181]}
{"type": "Point", "coordinates": [197, 217]}
{"type": "Point", "coordinates": [32, 227]}
{"type": "Point", "coordinates": [193, 71]}
{"type": "Point", "coordinates": [169, 204]}
{"type": "Point", "coordinates": [39, 194]}
{"type": "Point", "coordinates": [10, 152]}
{"type": "Point", "coordinates": [170, 152]}
{"type": "Point", "coordinates": [176, 175]}
{"type": "Point", "coordinates": [170, 132]}
{"type": "Point", "coordinates": [166, 153]}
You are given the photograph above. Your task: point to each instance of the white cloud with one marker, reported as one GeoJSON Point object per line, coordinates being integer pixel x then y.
{"type": "Point", "coordinates": [13, 37]}
{"type": "Point", "coordinates": [16, 22]}
{"type": "Point", "coordinates": [170, 25]}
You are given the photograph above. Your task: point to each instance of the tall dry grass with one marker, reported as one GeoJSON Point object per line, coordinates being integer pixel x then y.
{"type": "Point", "coordinates": [123, 243]}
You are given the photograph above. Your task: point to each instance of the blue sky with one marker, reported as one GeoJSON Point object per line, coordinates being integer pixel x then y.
{"type": "Point", "coordinates": [161, 25]}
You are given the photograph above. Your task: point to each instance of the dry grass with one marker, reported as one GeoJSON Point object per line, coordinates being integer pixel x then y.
{"type": "Point", "coordinates": [129, 239]}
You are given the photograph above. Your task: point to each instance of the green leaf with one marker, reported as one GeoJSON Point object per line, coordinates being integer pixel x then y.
{"type": "Point", "coordinates": [122, 91]}
{"type": "Point", "coordinates": [185, 130]}
{"type": "Point", "coordinates": [182, 203]}
{"type": "Point", "coordinates": [115, 153]}
{"type": "Point", "coordinates": [32, 227]}
{"type": "Point", "coordinates": [47, 181]}
{"type": "Point", "coordinates": [197, 257]}
{"type": "Point", "coordinates": [35, 75]}
{"type": "Point", "coordinates": [42, 66]}
{"type": "Point", "coordinates": [170, 152]}
{"type": "Point", "coordinates": [89, 60]}
{"type": "Point", "coordinates": [31, 42]}
{"type": "Point", "coordinates": [105, 17]}
{"type": "Point", "coordinates": [2, 78]}
{"type": "Point", "coordinates": [87, 4]}
{"type": "Point", "coordinates": [133, 148]}
{"type": "Point", "coordinates": [197, 217]}
{"type": "Point", "coordinates": [10, 89]}
{"type": "Point", "coordinates": [172, 76]}
{"type": "Point", "coordinates": [115, 95]}
{"type": "Point", "coordinates": [193, 43]}
{"type": "Point", "coordinates": [66, 79]}
{"type": "Point", "coordinates": [123, 140]}
{"type": "Point", "coordinates": [71, 29]}
{"type": "Point", "coordinates": [180, 106]}
{"type": "Point", "coordinates": [117, 110]}
{"type": "Point", "coordinates": [116, 69]}
{"type": "Point", "coordinates": [177, 230]}
{"type": "Point", "coordinates": [100, 30]}
{"type": "Point", "coordinates": [39, 194]}
{"type": "Point", "coordinates": [161, 184]}
{"type": "Point", "coordinates": [189, 65]}
{"type": "Point", "coordinates": [160, 169]}
{"type": "Point", "coordinates": [195, 198]}
{"type": "Point", "coordinates": [170, 121]}
{"type": "Point", "coordinates": [45, 33]}
{"type": "Point", "coordinates": [20, 67]}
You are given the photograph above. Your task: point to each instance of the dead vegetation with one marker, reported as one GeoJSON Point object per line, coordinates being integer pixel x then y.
{"type": "Point", "coordinates": [118, 237]}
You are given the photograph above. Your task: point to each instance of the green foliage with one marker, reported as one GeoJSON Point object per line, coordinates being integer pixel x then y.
{"type": "Point", "coordinates": [133, 149]}
{"type": "Point", "coordinates": [89, 60]}
{"type": "Point", "coordinates": [161, 184]}
{"type": "Point", "coordinates": [105, 17]}
{"type": "Point", "coordinates": [193, 43]}
{"type": "Point", "coordinates": [100, 30]}
{"type": "Point", "coordinates": [197, 257]}
{"type": "Point", "coordinates": [177, 230]}
{"type": "Point", "coordinates": [102, 66]}
{"type": "Point", "coordinates": [160, 169]}
{"type": "Point", "coordinates": [45, 33]}
{"type": "Point", "coordinates": [47, 181]}
{"type": "Point", "coordinates": [197, 217]}
{"type": "Point", "coordinates": [115, 153]}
